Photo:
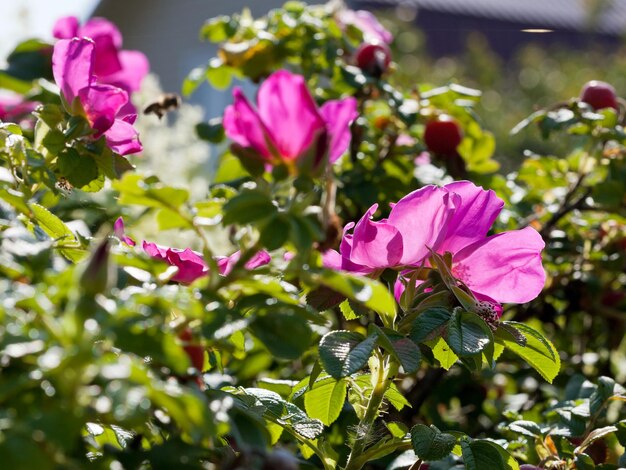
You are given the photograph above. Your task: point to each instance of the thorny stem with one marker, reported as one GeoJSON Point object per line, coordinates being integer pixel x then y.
{"type": "Point", "coordinates": [383, 380]}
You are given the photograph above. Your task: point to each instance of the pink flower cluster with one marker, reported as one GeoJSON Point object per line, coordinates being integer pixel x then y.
{"type": "Point", "coordinates": [456, 218]}
{"type": "Point", "coordinates": [191, 265]}
{"type": "Point", "coordinates": [287, 127]}
{"type": "Point", "coordinates": [96, 77]}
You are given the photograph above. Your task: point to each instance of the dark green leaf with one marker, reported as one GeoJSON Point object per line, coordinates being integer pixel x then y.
{"type": "Point", "coordinates": [431, 444]}
{"type": "Point", "coordinates": [342, 353]}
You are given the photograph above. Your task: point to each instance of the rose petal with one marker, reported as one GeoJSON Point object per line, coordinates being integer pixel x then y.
{"type": "Point", "coordinates": [190, 265]}
{"type": "Point", "coordinates": [119, 231]}
{"type": "Point", "coordinates": [134, 68]}
{"type": "Point", "coordinates": [421, 218]}
{"type": "Point", "coordinates": [100, 27]}
{"type": "Point", "coordinates": [101, 104]}
{"type": "Point", "coordinates": [376, 244]}
{"type": "Point", "coordinates": [368, 23]}
{"type": "Point", "coordinates": [243, 125]}
{"type": "Point", "coordinates": [226, 264]}
{"type": "Point", "coordinates": [289, 113]}
{"type": "Point", "coordinates": [339, 114]}
{"type": "Point", "coordinates": [72, 66]}
{"type": "Point", "coordinates": [473, 217]}
{"type": "Point", "coordinates": [123, 138]}
{"type": "Point", "coordinates": [106, 60]}
{"type": "Point", "coordinates": [65, 28]}
{"type": "Point", "coordinates": [505, 267]}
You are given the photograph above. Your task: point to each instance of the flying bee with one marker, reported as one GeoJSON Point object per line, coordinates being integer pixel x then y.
{"type": "Point", "coordinates": [166, 102]}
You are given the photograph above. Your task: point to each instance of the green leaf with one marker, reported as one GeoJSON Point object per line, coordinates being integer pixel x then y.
{"type": "Point", "coordinates": [401, 348]}
{"type": "Point", "coordinates": [607, 388]}
{"type": "Point", "coordinates": [50, 223]}
{"type": "Point", "coordinates": [211, 131]}
{"type": "Point", "coordinates": [286, 414]}
{"type": "Point", "coordinates": [168, 219]}
{"type": "Point", "coordinates": [218, 29]}
{"type": "Point", "coordinates": [373, 294]}
{"type": "Point", "coordinates": [526, 428]}
{"type": "Point", "coordinates": [430, 324]}
{"type": "Point", "coordinates": [467, 334]}
{"type": "Point", "coordinates": [483, 454]}
{"type": "Point", "coordinates": [79, 170]}
{"type": "Point", "coordinates": [431, 444]}
{"type": "Point", "coordinates": [342, 353]}
{"type": "Point", "coordinates": [149, 192]}
{"type": "Point", "coordinates": [444, 354]}
{"type": "Point", "coordinates": [229, 169]}
{"type": "Point", "coordinates": [397, 429]}
{"type": "Point", "coordinates": [219, 75]}
{"type": "Point", "coordinates": [248, 206]}
{"type": "Point", "coordinates": [594, 436]}
{"type": "Point", "coordinates": [16, 199]}
{"type": "Point", "coordinates": [285, 335]}
{"type": "Point", "coordinates": [275, 233]}
{"type": "Point", "coordinates": [325, 400]}
{"type": "Point", "coordinates": [538, 352]}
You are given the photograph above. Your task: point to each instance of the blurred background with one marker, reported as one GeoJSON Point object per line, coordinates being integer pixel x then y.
{"type": "Point", "coordinates": [523, 55]}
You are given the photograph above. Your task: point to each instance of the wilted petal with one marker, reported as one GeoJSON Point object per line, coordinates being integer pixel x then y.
{"type": "Point", "coordinates": [72, 66]}
{"type": "Point", "coordinates": [422, 218]}
{"type": "Point", "coordinates": [473, 217]}
{"type": "Point", "coordinates": [505, 267]}
{"type": "Point", "coordinates": [65, 28]}
{"type": "Point", "coordinates": [289, 113]}
{"type": "Point", "coordinates": [376, 244]}
{"type": "Point", "coordinates": [339, 114]}
{"type": "Point", "coordinates": [119, 231]}
{"type": "Point", "coordinates": [122, 137]}
{"type": "Point", "coordinates": [101, 104]}
{"type": "Point", "coordinates": [243, 125]}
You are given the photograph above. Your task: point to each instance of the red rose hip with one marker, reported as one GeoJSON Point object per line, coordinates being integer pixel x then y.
{"type": "Point", "coordinates": [443, 135]}
{"type": "Point", "coordinates": [194, 351]}
{"type": "Point", "coordinates": [373, 58]}
{"type": "Point", "coordinates": [599, 95]}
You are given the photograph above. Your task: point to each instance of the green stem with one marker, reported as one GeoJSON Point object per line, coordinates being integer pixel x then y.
{"type": "Point", "coordinates": [383, 450]}
{"type": "Point", "coordinates": [364, 430]}
{"type": "Point", "coordinates": [327, 463]}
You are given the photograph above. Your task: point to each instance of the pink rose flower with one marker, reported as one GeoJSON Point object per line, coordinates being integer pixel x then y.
{"type": "Point", "coordinates": [416, 223]}
{"type": "Point", "coordinates": [14, 108]}
{"type": "Point", "coordinates": [112, 65]}
{"type": "Point", "coordinates": [190, 264]}
{"type": "Point", "coordinates": [372, 30]}
{"type": "Point", "coordinates": [227, 263]}
{"type": "Point", "coordinates": [287, 126]}
{"type": "Point", "coordinates": [501, 268]}
{"type": "Point", "coordinates": [101, 104]}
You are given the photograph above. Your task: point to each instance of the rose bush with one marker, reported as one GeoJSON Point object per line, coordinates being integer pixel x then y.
{"type": "Point", "coordinates": [436, 336]}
